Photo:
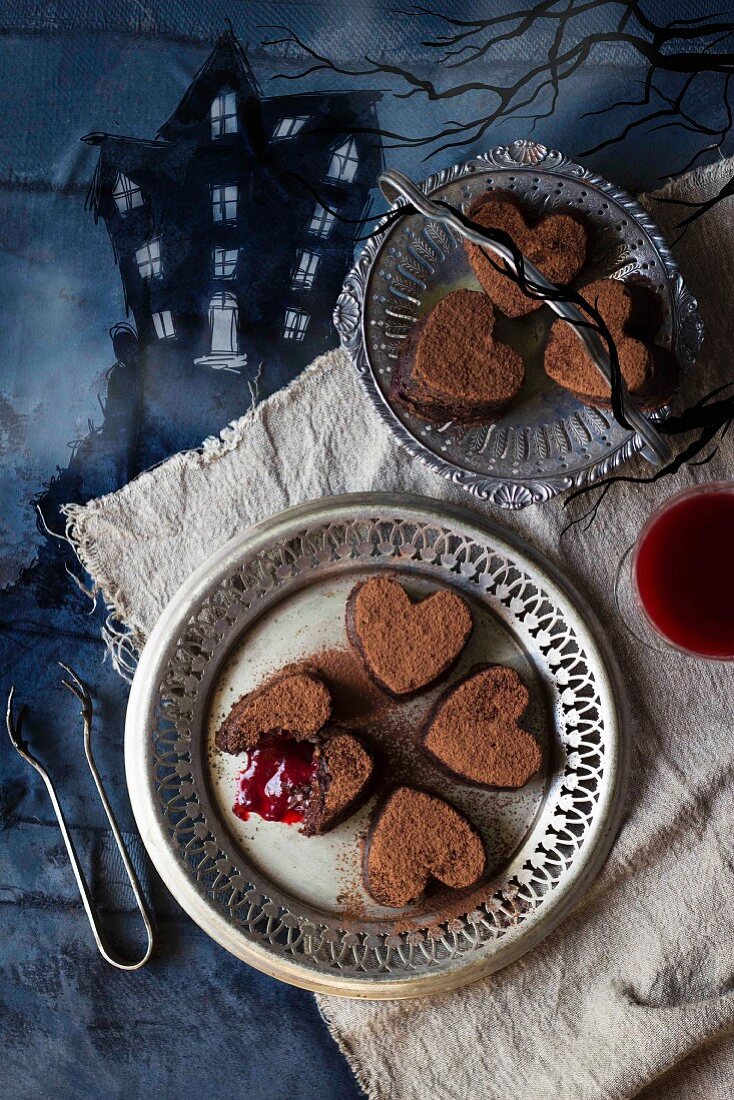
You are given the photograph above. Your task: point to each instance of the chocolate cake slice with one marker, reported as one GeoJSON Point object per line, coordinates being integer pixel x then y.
{"type": "Point", "coordinates": [343, 774]}
{"type": "Point", "coordinates": [298, 704]}
{"type": "Point", "coordinates": [406, 646]}
{"type": "Point", "coordinates": [453, 368]}
{"type": "Point", "coordinates": [556, 245]}
{"type": "Point", "coordinates": [473, 730]}
{"type": "Point", "coordinates": [416, 837]}
{"type": "Point", "coordinates": [633, 315]}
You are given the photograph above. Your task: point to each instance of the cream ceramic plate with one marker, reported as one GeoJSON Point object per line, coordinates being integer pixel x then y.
{"type": "Point", "coordinates": [295, 907]}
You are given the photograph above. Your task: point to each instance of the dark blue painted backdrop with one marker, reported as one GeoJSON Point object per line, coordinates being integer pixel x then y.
{"type": "Point", "coordinates": [195, 1021]}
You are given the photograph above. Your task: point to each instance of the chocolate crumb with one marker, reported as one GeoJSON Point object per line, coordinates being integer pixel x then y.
{"type": "Point", "coordinates": [343, 775]}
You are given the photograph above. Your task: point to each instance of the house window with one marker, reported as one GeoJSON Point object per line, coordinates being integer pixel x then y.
{"type": "Point", "coordinates": [126, 194]}
{"type": "Point", "coordinates": [225, 262]}
{"type": "Point", "coordinates": [305, 269]}
{"type": "Point", "coordinates": [163, 323]}
{"type": "Point", "coordinates": [344, 161]}
{"type": "Point", "coordinates": [296, 323]}
{"type": "Point", "coordinates": [289, 127]}
{"type": "Point", "coordinates": [224, 114]}
{"type": "Point", "coordinates": [224, 203]}
{"type": "Point", "coordinates": [223, 335]}
{"type": "Point", "coordinates": [321, 221]}
{"type": "Point", "coordinates": [149, 258]}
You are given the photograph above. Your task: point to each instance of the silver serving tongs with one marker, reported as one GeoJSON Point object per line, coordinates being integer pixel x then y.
{"type": "Point", "coordinates": [394, 185]}
{"type": "Point", "coordinates": [79, 690]}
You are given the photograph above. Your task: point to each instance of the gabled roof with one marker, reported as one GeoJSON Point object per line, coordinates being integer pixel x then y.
{"type": "Point", "coordinates": [227, 64]}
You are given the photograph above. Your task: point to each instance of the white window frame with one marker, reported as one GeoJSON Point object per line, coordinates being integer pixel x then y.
{"type": "Point", "coordinates": [163, 324]}
{"type": "Point", "coordinates": [288, 126]}
{"type": "Point", "coordinates": [225, 262]}
{"type": "Point", "coordinates": [295, 324]}
{"type": "Point", "coordinates": [344, 161]}
{"type": "Point", "coordinates": [304, 272]}
{"type": "Point", "coordinates": [148, 258]}
{"type": "Point", "coordinates": [321, 221]}
{"type": "Point", "coordinates": [224, 202]}
{"type": "Point", "coordinates": [223, 113]}
{"type": "Point", "coordinates": [127, 194]}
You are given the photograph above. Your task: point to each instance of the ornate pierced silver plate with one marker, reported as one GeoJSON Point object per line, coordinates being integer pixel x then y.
{"type": "Point", "coordinates": [296, 907]}
{"type": "Point", "coordinates": [548, 441]}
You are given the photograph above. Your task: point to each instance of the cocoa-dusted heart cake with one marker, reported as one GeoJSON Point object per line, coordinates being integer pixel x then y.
{"type": "Point", "coordinates": [343, 774]}
{"type": "Point", "coordinates": [416, 837]}
{"type": "Point", "coordinates": [406, 646]}
{"type": "Point", "coordinates": [453, 367]}
{"type": "Point", "coordinates": [633, 316]}
{"type": "Point", "coordinates": [556, 245]}
{"type": "Point", "coordinates": [297, 703]}
{"type": "Point", "coordinates": [474, 729]}
{"type": "Point", "coordinates": [314, 783]}
{"type": "Point", "coordinates": [296, 770]}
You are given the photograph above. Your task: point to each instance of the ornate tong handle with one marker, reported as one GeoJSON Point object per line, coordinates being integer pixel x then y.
{"type": "Point", "coordinates": [79, 690]}
{"type": "Point", "coordinates": [394, 185]}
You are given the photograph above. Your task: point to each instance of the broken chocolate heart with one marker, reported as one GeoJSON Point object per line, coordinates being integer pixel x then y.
{"type": "Point", "coordinates": [416, 837]}
{"type": "Point", "coordinates": [633, 316]}
{"type": "Point", "coordinates": [473, 729]}
{"type": "Point", "coordinates": [405, 646]}
{"type": "Point", "coordinates": [343, 773]}
{"type": "Point", "coordinates": [291, 781]}
{"type": "Point", "coordinates": [556, 245]}
{"type": "Point", "coordinates": [297, 703]}
{"type": "Point", "coordinates": [453, 368]}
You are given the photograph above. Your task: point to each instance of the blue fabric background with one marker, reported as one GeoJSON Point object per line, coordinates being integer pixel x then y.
{"type": "Point", "coordinates": [195, 1021]}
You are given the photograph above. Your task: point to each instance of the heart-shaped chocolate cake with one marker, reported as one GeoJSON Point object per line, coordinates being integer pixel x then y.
{"type": "Point", "coordinates": [474, 732]}
{"type": "Point", "coordinates": [298, 704]}
{"type": "Point", "coordinates": [343, 774]}
{"type": "Point", "coordinates": [405, 646]}
{"type": "Point", "coordinates": [453, 368]}
{"type": "Point", "coordinates": [556, 245]}
{"type": "Point", "coordinates": [416, 837]}
{"type": "Point", "coordinates": [633, 315]}
{"type": "Point", "coordinates": [315, 783]}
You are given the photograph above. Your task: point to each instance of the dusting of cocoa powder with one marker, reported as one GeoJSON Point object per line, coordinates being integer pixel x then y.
{"type": "Point", "coordinates": [405, 646]}
{"type": "Point", "coordinates": [298, 704]}
{"type": "Point", "coordinates": [633, 316]}
{"type": "Point", "coordinates": [474, 729]}
{"type": "Point", "coordinates": [417, 837]}
{"type": "Point", "coordinates": [556, 246]}
{"type": "Point", "coordinates": [457, 357]}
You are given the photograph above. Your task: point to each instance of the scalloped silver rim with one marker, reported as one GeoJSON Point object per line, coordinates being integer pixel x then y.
{"type": "Point", "coordinates": [349, 321]}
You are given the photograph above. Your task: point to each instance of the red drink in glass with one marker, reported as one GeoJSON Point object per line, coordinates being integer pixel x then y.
{"type": "Point", "coordinates": [683, 570]}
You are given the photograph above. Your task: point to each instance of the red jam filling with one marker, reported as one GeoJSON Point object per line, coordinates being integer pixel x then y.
{"type": "Point", "coordinates": [276, 781]}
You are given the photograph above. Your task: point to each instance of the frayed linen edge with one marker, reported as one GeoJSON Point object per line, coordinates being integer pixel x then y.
{"type": "Point", "coordinates": [122, 642]}
{"type": "Point", "coordinates": [365, 1080]}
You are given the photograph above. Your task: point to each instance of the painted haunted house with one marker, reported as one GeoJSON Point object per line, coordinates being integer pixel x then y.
{"type": "Point", "coordinates": [227, 256]}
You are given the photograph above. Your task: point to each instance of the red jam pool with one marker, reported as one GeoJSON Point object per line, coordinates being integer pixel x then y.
{"type": "Point", "coordinates": [276, 780]}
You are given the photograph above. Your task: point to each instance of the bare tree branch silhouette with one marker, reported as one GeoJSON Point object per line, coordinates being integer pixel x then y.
{"type": "Point", "coordinates": [688, 49]}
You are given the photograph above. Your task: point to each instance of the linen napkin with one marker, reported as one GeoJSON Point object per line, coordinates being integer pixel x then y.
{"type": "Point", "coordinates": [634, 993]}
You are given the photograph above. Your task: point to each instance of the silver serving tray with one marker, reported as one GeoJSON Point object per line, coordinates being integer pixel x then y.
{"type": "Point", "coordinates": [548, 441]}
{"type": "Point", "coordinates": [295, 907]}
